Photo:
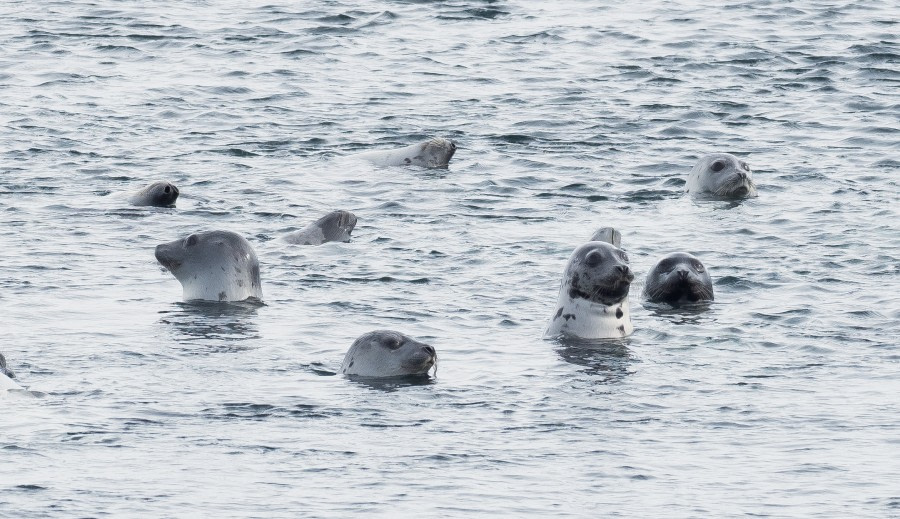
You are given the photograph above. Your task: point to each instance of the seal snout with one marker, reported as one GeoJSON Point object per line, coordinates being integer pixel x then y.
{"type": "Point", "coordinates": [625, 272]}
{"type": "Point", "coordinates": [164, 256]}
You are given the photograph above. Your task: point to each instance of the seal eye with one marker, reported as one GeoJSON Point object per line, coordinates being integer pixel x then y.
{"type": "Point", "coordinates": [191, 240]}
{"type": "Point", "coordinates": [167, 189]}
{"type": "Point", "coordinates": [393, 343]}
{"type": "Point", "coordinates": [593, 258]}
{"type": "Point", "coordinates": [623, 256]}
{"type": "Point", "coordinates": [718, 165]}
{"type": "Point", "coordinates": [699, 267]}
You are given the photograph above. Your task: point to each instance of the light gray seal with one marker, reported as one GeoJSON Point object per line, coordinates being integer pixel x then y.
{"type": "Point", "coordinates": [7, 376]}
{"type": "Point", "coordinates": [434, 153]}
{"type": "Point", "coordinates": [677, 279]}
{"type": "Point", "coordinates": [213, 266]}
{"type": "Point", "coordinates": [158, 194]}
{"type": "Point", "coordinates": [721, 175]}
{"type": "Point", "coordinates": [385, 353]}
{"type": "Point", "coordinates": [593, 296]}
{"type": "Point", "coordinates": [334, 226]}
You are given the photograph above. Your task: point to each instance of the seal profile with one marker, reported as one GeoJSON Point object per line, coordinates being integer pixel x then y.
{"type": "Point", "coordinates": [720, 175]}
{"type": "Point", "coordinates": [593, 296]}
{"type": "Point", "coordinates": [334, 226]}
{"type": "Point", "coordinates": [386, 353]}
{"type": "Point", "coordinates": [433, 153]}
{"type": "Point", "coordinates": [157, 194]}
{"type": "Point", "coordinates": [677, 279]}
{"type": "Point", "coordinates": [213, 266]}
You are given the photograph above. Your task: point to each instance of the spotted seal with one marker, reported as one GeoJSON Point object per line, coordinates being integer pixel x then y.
{"type": "Point", "coordinates": [334, 226]}
{"type": "Point", "coordinates": [385, 353]}
{"type": "Point", "coordinates": [433, 153]}
{"type": "Point", "coordinates": [213, 266]}
{"type": "Point", "coordinates": [593, 296]}
{"type": "Point", "coordinates": [720, 175]}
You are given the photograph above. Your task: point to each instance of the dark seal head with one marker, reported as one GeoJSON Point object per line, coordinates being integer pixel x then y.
{"type": "Point", "coordinates": [213, 266]}
{"type": "Point", "coordinates": [678, 278]}
{"type": "Point", "coordinates": [385, 353]}
{"type": "Point", "coordinates": [157, 194]}
{"type": "Point", "coordinates": [334, 226]}
{"type": "Point", "coordinates": [721, 175]}
{"type": "Point", "coordinates": [4, 369]}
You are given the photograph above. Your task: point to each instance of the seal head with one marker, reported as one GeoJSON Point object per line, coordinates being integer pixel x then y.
{"type": "Point", "coordinates": [433, 153]}
{"type": "Point", "coordinates": [157, 194]}
{"type": "Point", "coordinates": [334, 226]}
{"type": "Point", "coordinates": [721, 175]}
{"type": "Point", "coordinates": [213, 266]}
{"type": "Point", "coordinates": [677, 279]}
{"type": "Point", "coordinates": [593, 297]}
{"type": "Point", "coordinates": [386, 353]}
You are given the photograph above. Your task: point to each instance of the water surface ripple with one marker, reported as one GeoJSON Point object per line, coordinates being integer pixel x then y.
{"type": "Point", "coordinates": [780, 400]}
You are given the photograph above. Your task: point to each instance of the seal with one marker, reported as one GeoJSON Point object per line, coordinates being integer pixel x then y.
{"type": "Point", "coordinates": [434, 153]}
{"type": "Point", "coordinates": [609, 235]}
{"type": "Point", "coordinates": [7, 376]}
{"type": "Point", "coordinates": [213, 266]}
{"type": "Point", "coordinates": [158, 194]}
{"type": "Point", "coordinates": [334, 226]}
{"type": "Point", "coordinates": [385, 353]}
{"type": "Point", "coordinates": [593, 297]}
{"type": "Point", "coordinates": [677, 279]}
{"type": "Point", "coordinates": [720, 175]}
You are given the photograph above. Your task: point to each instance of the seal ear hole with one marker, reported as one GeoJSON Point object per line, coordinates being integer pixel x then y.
{"type": "Point", "coordinates": [718, 165]}
{"type": "Point", "coordinates": [191, 240]}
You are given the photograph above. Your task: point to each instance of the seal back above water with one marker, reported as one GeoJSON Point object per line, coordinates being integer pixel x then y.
{"type": "Point", "coordinates": [433, 153]}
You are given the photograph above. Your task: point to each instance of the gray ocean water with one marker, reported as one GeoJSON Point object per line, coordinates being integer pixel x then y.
{"type": "Point", "coordinates": [780, 400]}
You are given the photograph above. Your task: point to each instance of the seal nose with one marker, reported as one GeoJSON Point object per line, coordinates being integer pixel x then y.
{"type": "Point", "coordinates": [625, 272]}
{"type": "Point", "coordinates": [682, 274]}
{"type": "Point", "coordinates": [429, 350]}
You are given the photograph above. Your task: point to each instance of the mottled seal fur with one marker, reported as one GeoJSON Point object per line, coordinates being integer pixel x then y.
{"type": "Point", "coordinates": [334, 226]}
{"type": "Point", "coordinates": [213, 266]}
{"type": "Point", "coordinates": [158, 194]}
{"type": "Point", "coordinates": [7, 376]}
{"type": "Point", "coordinates": [720, 175]}
{"type": "Point", "coordinates": [433, 153]}
{"type": "Point", "coordinates": [677, 279]}
{"type": "Point", "coordinates": [385, 353]}
{"type": "Point", "coordinates": [593, 296]}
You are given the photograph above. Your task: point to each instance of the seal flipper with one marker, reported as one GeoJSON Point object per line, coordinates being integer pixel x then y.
{"type": "Point", "coordinates": [609, 235]}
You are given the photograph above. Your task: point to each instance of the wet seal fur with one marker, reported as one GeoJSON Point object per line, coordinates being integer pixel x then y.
{"type": "Point", "coordinates": [678, 278]}
{"type": "Point", "coordinates": [334, 226]}
{"type": "Point", "coordinates": [609, 235]}
{"type": "Point", "coordinates": [7, 376]}
{"type": "Point", "coordinates": [213, 266]}
{"type": "Point", "coordinates": [386, 353]}
{"type": "Point", "coordinates": [721, 175]}
{"type": "Point", "coordinates": [433, 153]}
{"type": "Point", "coordinates": [157, 194]}
{"type": "Point", "coordinates": [593, 296]}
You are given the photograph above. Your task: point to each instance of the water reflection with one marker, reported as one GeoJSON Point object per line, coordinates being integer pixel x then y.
{"type": "Point", "coordinates": [391, 384]}
{"type": "Point", "coordinates": [608, 360]}
{"type": "Point", "coordinates": [689, 313]}
{"type": "Point", "coordinates": [217, 327]}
